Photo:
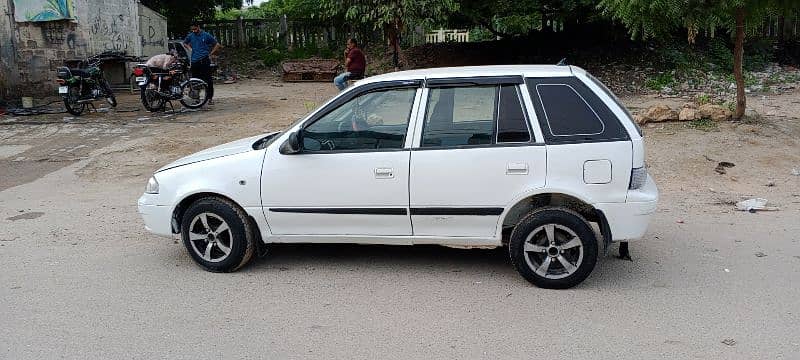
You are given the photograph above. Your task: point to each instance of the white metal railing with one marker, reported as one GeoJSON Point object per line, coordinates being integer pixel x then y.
{"type": "Point", "coordinates": [443, 35]}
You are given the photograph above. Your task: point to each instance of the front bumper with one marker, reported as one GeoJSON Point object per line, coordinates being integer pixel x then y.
{"type": "Point", "coordinates": [629, 220]}
{"type": "Point", "coordinates": [157, 218]}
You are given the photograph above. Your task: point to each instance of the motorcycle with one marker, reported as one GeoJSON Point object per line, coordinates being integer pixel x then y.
{"type": "Point", "coordinates": [81, 87]}
{"type": "Point", "coordinates": [158, 87]}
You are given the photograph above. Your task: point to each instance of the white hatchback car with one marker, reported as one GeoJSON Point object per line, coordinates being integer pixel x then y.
{"type": "Point", "coordinates": [521, 156]}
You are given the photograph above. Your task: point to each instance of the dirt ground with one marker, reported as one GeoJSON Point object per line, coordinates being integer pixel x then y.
{"type": "Point", "coordinates": [81, 278]}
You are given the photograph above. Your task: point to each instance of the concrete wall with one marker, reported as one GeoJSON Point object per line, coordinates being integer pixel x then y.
{"type": "Point", "coordinates": [30, 52]}
{"type": "Point", "coordinates": [152, 31]}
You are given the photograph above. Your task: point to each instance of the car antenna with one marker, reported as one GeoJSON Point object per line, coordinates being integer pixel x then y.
{"type": "Point", "coordinates": [562, 62]}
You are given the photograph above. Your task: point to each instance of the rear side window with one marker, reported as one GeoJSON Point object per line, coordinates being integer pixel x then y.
{"type": "Point", "coordinates": [569, 112]}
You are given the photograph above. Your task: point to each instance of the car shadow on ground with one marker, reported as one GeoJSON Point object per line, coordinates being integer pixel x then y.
{"type": "Point", "coordinates": [610, 272]}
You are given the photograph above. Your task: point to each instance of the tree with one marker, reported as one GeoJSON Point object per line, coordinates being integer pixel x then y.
{"type": "Point", "coordinates": [181, 13]}
{"type": "Point", "coordinates": [391, 16]}
{"type": "Point", "coordinates": [507, 18]}
{"type": "Point", "coordinates": [646, 19]}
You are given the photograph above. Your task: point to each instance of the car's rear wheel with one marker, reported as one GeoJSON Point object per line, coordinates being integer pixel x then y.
{"type": "Point", "coordinates": [554, 248]}
{"type": "Point", "coordinates": [218, 235]}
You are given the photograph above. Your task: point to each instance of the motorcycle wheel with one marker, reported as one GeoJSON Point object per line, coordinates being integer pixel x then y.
{"type": "Point", "coordinates": [194, 93]}
{"type": "Point", "coordinates": [71, 102]}
{"type": "Point", "coordinates": [110, 98]}
{"type": "Point", "coordinates": [151, 100]}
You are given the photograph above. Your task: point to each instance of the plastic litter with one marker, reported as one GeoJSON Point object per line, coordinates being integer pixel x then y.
{"type": "Point", "coordinates": [753, 205]}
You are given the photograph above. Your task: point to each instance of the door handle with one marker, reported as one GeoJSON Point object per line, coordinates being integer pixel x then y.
{"type": "Point", "coordinates": [384, 173]}
{"type": "Point", "coordinates": [517, 168]}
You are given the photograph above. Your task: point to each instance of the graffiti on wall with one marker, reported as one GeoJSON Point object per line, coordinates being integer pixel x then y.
{"type": "Point", "coordinates": [111, 34]}
{"type": "Point", "coordinates": [43, 10]}
{"type": "Point", "coordinates": [151, 37]}
{"type": "Point", "coordinates": [152, 32]}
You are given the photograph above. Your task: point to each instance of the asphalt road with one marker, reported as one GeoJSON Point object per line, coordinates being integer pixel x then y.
{"type": "Point", "coordinates": [80, 278]}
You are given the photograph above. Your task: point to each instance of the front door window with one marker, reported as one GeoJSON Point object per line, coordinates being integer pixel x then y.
{"type": "Point", "coordinates": [372, 121]}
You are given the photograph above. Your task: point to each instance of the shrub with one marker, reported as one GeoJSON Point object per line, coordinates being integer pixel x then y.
{"type": "Point", "coordinates": [702, 99]}
{"type": "Point", "coordinates": [660, 81]}
{"type": "Point", "coordinates": [721, 54]}
{"type": "Point", "coordinates": [272, 57]}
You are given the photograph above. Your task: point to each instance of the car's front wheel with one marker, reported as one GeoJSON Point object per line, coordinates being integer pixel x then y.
{"type": "Point", "coordinates": [554, 248]}
{"type": "Point", "coordinates": [218, 235]}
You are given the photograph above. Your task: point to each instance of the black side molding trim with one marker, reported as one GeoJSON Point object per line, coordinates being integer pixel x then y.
{"type": "Point", "coordinates": [457, 211]}
{"type": "Point", "coordinates": [394, 211]}
{"type": "Point", "coordinates": [343, 211]}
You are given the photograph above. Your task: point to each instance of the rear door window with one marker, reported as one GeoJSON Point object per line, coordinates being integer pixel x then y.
{"type": "Point", "coordinates": [475, 115]}
{"type": "Point", "coordinates": [569, 112]}
{"type": "Point", "coordinates": [512, 124]}
{"type": "Point", "coordinates": [458, 116]}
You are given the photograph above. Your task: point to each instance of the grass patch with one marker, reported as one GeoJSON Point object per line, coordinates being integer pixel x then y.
{"type": "Point", "coordinates": [702, 99]}
{"type": "Point", "coordinates": [309, 105]}
{"type": "Point", "coordinates": [703, 124]}
{"type": "Point", "coordinates": [660, 81]}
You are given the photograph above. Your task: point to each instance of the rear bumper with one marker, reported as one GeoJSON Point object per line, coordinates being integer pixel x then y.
{"type": "Point", "coordinates": [157, 218]}
{"type": "Point", "coordinates": [629, 220]}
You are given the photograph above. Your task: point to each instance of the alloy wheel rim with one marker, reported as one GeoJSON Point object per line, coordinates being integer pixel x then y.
{"type": "Point", "coordinates": [211, 237]}
{"type": "Point", "coordinates": [553, 251]}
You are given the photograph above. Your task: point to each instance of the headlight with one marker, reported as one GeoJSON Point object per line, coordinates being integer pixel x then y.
{"type": "Point", "coordinates": [152, 186]}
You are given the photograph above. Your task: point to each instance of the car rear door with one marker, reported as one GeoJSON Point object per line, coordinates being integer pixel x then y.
{"type": "Point", "coordinates": [474, 153]}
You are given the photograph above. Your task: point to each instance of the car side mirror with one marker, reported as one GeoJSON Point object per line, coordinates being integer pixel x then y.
{"type": "Point", "coordinates": [293, 144]}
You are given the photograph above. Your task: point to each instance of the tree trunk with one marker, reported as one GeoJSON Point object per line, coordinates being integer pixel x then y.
{"type": "Point", "coordinates": [394, 44]}
{"type": "Point", "coordinates": [738, 60]}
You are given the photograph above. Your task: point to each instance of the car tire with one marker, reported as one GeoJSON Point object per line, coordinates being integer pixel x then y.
{"type": "Point", "coordinates": [218, 235]}
{"type": "Point", "coordinates": [553, 248]}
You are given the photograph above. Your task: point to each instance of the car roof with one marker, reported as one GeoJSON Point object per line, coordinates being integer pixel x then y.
{"type": "Point", "coordinates": [475, 71]}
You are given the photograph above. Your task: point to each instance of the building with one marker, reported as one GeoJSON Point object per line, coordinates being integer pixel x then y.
{"type": "Point", "coordinates": [36, 36]}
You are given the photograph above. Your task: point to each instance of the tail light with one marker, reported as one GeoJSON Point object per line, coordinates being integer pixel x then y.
{"type": "Point", "coordinates": [61, 81]}
{"type": "Point", "coordinates": [638, 178]}
{"type": "Point", "coordinates": [138, 71]}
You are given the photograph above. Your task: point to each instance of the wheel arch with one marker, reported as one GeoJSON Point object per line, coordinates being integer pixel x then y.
{"type": "Point", "coordinates": [188, 200]}
{"type": "Point", "coordinates": [574, 202]}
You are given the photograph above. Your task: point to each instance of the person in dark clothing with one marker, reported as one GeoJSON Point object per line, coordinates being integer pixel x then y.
{"type": "Point", "coordinates": [203, 47]}
{"type": "Point", "coordinates": [355, 63]}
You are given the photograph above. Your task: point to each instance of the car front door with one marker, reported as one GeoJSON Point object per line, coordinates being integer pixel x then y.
{"type": "Point", "coordinates": [351, 176]}
{"type": "Point", "coordinates": [476, 153]}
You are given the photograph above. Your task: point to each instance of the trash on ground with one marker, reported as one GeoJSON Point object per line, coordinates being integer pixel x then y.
{"type": "Point", "coordinates": [796, 172]}
{"type": "Point", "coordinates": [770, 184]}
{"type": "Point", "coordinates": [729, 342]}
{"type": "Point", "coordinates": [143, 119]}
{"type": "Point", "coordinates": [760, 254]}
{"type": "Point", "coordinates": [720, 169]}
{"type": "Point", "coordinates": [753, 205]}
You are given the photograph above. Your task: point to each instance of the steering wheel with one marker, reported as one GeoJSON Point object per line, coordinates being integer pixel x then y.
{"type": "Point", "coordinates": [328, 143]}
